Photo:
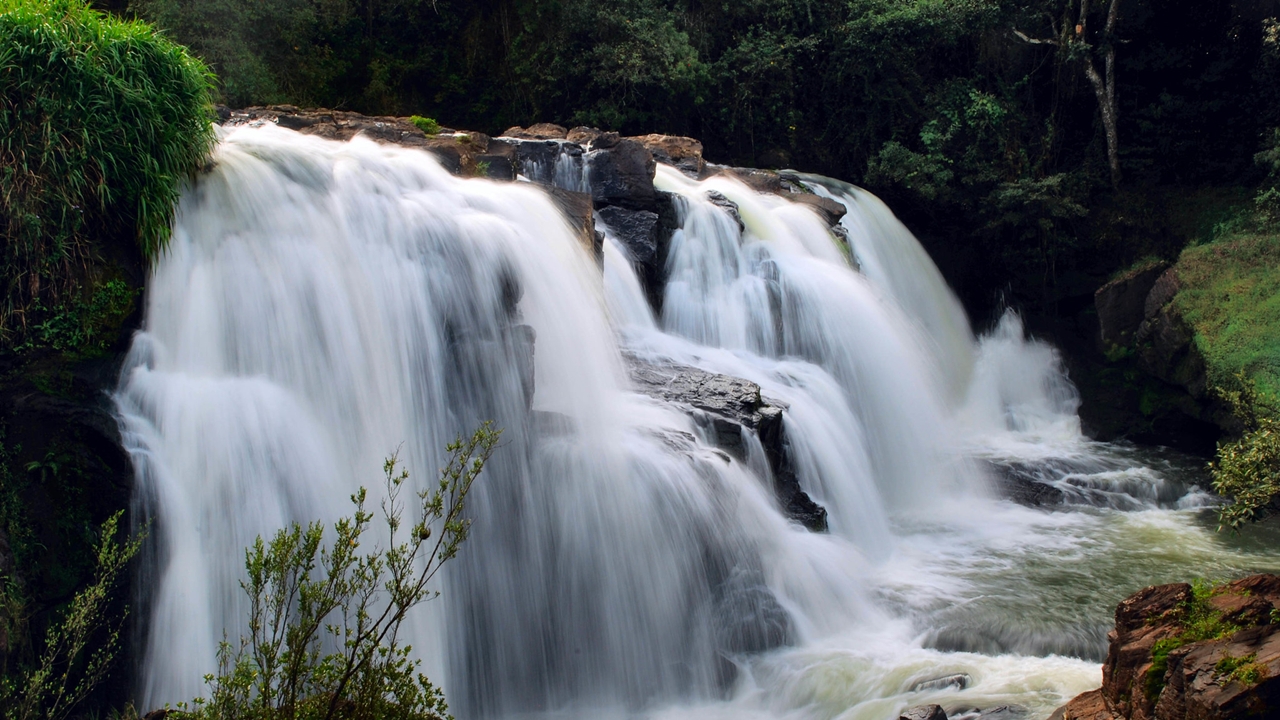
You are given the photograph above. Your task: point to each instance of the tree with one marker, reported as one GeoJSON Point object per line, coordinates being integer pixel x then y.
{"type": "Point", "coordinates": [1077, 47]}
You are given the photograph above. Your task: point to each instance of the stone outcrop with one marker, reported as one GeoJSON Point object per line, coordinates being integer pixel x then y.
{"type": "Point", "coordinates": [682, 153]}
{"type": "Point", "coordinates": [1121, 303]}
{"type": "Point", "coordinates": [730, 407]}
{"type": "Point", "coordinates": [1158, 668]}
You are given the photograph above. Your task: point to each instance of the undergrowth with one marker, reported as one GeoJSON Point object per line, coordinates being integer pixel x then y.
{"type": "Point", "coordinates": [1247, 469]}
{"type": "Point", "coordinates": [100, 121]}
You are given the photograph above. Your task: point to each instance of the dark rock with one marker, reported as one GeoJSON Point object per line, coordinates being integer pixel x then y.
{"type": "Point", "coordinates": [1162, 292]}
{"type": "Point", "coordinates": [736, 407]}
{"type": "Point", "coordinates": [1168, 351]}
{"type": "Point", "coordinates": [829, 210]}
{"type": "Point", "coordinates": [746, 616]}
{"type": "Point", "coordinates": [1121, 303]}
{"type": "Point", "coordinates": [637, 230]}
{"type": "Point", "coordinates": [959, 681]}
{"type": "Point", "coordinates": [622, 175]}
{"type": "Point", "coordinates": [682, 153]}
{"type": "Point", "coordinates": [537, 160]}
{"type": "Point", "coordinates": [923, 712]}
{"type": "Point", "coordinates": [765, 181]}
{"type": "Point", "coordinates": [719, 200]}
{"type": "Point", "coordinates": [1003, 712]}
{"type": "Point", "coordinates": [1023, 485]}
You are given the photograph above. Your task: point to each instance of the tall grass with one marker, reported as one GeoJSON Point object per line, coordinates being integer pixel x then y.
{"type": "Point", "coordinates": [100, 120]}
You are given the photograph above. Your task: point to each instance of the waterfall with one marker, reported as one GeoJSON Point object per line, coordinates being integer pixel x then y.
{"type": "Point", "coordinates": [323, 305]}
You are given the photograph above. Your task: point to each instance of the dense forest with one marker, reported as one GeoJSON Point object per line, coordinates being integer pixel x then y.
{"type": "Point", "coordinates": [977, 120]}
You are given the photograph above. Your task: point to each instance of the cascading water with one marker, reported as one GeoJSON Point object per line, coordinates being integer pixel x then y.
{"type": "Point", "coordinates": [324, 304]}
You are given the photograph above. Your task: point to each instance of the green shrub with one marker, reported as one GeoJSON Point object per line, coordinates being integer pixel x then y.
{"type": "Point", "coordinates": [425, 124]}
{"type": "Point", "coordinates": [324, 622]}
{"type": "Point", "coordinates": [79, 649]}
{"type": "Point", "coordinates": [1247, 469]}
{"type": "Point", "coordinates": [100, 120]}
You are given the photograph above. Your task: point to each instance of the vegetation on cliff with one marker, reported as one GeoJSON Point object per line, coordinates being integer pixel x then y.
{"type": "Point", "coordinates": [100, 119]}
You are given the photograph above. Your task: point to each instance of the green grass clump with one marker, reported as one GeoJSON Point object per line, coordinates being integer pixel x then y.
{"type": "Point", "coordinates": [1199, 621]}
{"type": "Point", "coordinates": [1230, 295]}
{"type": "Point", "coordinates": [425, 124]}
{"type": "Point", "coordinates": [1244, 670]}
{"type": "Point", "coordinates": [100, 120]}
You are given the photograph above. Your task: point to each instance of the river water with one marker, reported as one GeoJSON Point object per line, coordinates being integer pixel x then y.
{"type": "Point", "coordinates": [324, 304]}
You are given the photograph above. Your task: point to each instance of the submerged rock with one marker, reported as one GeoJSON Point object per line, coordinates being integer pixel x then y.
{"type": "Point", "coordinates": [923, 712]}
{"type": "Point", "coordinates": [958, 681]}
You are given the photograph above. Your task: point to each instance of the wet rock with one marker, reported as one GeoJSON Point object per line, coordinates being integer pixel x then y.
{"type": "Point", "coordinates": [1004, 712]}
{"type": "Point", "coordinates": [735, 406]}
{"type": "Point", "coordinates": [829, 210]}
{"type": "Point", "coordinates": [923, 712]}
{"type": "Point", "coordinates": [578, 211]}
{"type": "Point", "coordinates": [682, 153]}
{"type": "Point", "coordinates": [1162, 292]}
{"type": "Point", "coordinates": [622, 175]}
{"type": "Point", "coordinates": [1121, 303]}
{"type": "Point", "coordinates": [765, 181]}
{"type": "Point", "coordinates": [637, 230]}
{"type": "Point", "coordinates": [540, 131]}
{"type": "Point", "coordinates": [547, 424]}
{"type": "Point", "coordinates": [747, 618]}
{"type": "Point", "coordinates": [1087, 706]}
{"type": "Point", "coordinates": [959, 681]}
{"type": "Point", "coordinates": [719, 200]}
{"type": "Point", "coordinates": [1168, 351]}
{"type": "Point", "coordinates": [1233, 676]}
{"type": "Point", "coordinates": [523, 339]}
{"type": "Point", "coordinates": [538, 160]}
{"type": "Point", "coordinates": [1022, 484]}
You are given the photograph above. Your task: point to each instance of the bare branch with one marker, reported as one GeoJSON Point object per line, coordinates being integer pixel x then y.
{"type": "Point", "coordinates": [1033, 41]}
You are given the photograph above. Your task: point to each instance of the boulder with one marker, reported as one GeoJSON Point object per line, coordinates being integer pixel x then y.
{"type": "Point", "coordinates": [595, 138]}
{"type": "Point", "coordinates": [1234, 675]}
{"type": "Point", "coordinates": [622, 175]}
{"type": "Point", "coordinates": [923, 712]}
{"type": "Point", "coordinates": [829, 210]}
{"type": "Point", "coordinates": [746, 616]}
{"type": "Point", "coordinates": [719, 200]}
{"type": "Point", "coordinates": [1121, 303]}
{"type": "Point", "coordinates": [643, 234]}
{"type": "Point", "coordinates": [733, 406]}
{"type": "Point", "coordinates": [1168, 351]}
{"type": "Point", "coordinates": [1162, 292]}
{"type": "Point", "coordinates": [959, 681]}
{"type": "Point", "coordinates": [682, 153]}
{"type": "Point", "coordinates": [540, 131]}
{"type": "Point", "coordinates": [577, 210]}
{"type": "Point", "coordinates": [540, 160]}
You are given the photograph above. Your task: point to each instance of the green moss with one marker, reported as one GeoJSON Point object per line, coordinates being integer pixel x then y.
{"type": "Point", "coordinates": [1199, 621]}
{"type": "Point", "coordinates": [1230, 295]}
{"type": "Point", "coordinates": [100, 121]}
{"type": "Point", "coordinates": [1244, 670]}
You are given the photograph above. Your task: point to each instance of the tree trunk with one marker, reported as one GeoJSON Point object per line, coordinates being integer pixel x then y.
{"type": "Point", "coordinates": [1104, 87]}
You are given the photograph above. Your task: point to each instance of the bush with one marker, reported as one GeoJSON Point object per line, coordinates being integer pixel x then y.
{"type": "Point", "coordinates": [425, 124]}
{"type": "Point", "coordinates": [1247, 469]}
{"type": "Point", "coordinates": [324, 622]}
{"type": "Point", "coordinates": [100, 119]}
{"type": "Point", "coordinates": [80, 649]}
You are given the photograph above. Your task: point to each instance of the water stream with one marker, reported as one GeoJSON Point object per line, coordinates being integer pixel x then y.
{"type": "Point", "coordinates": [324, 304]}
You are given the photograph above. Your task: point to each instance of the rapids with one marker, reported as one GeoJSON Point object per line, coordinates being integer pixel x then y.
{"type": "Point", "coordinates": [323, 304]}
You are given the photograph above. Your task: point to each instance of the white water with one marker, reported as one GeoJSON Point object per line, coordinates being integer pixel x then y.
{"type": "Point", "coordinates": [324, 304]}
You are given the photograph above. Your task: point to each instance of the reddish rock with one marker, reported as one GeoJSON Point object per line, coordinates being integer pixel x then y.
{"type": "Point", "coordinates": [1236, 676]}
{"type": "Point", "coordinates": [540, 131]}
{"type": "Point", "coordinates": [683, 153]}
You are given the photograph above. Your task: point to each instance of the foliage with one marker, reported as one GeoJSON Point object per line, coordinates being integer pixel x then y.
{"type": "Point", "coordinates": [1244, 670]}
{"type": "Point", "coordinates": [100, 119]}
{"type": "Point", "coordinates": [425, 124]}
{"type": "Point", "coordinates": [81, 326]}
{"type": "Point", "coordinates": [80, 648]}
{"type": "Point", "coordinates": [1247, 469]}
{"type": "Point", "coordinates": [1199, 621]}
{"type": "Point", "coordinates": [324, 622]}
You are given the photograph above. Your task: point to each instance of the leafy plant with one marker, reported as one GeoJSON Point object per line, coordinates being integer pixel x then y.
{"type": "Point", "coordinates": [80, 649]}
{"type": "Point", "coordinates": [1244, 670]}
{"type": "Point", "coordinates": [1247, 469]}
{"type": "Point", "coordinates": [100, 120]}
{"type": "Point", "coordinates": [425, 124]}
{"type": "Point", "coordinates": [324, 621]}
